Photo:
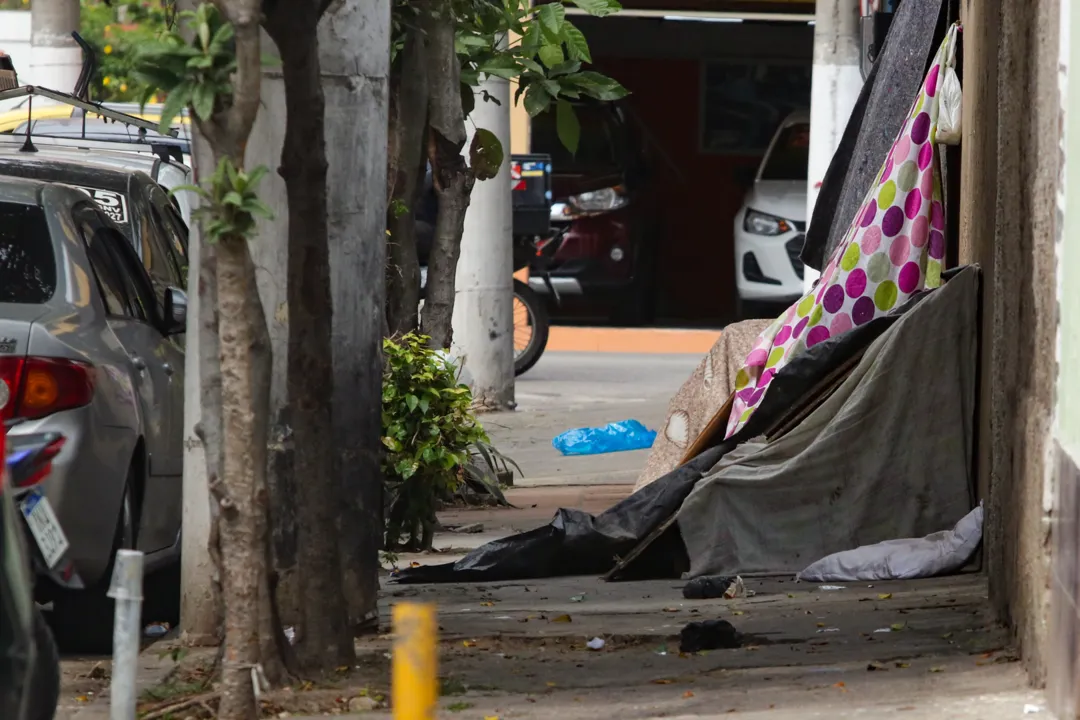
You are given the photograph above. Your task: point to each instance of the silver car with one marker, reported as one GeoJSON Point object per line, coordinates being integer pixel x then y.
{"type": "Point", "coordinates": [90, 350]}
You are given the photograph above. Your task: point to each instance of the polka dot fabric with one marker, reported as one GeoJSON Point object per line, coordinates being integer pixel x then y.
{"type": "Point", "coordinates": [894, 248]}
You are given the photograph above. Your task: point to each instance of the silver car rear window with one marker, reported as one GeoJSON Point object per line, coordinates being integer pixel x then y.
{"type": "Point", "coordinates": [27, 263]}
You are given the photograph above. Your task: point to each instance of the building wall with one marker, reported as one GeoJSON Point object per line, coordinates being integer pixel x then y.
{"type": "Point", "coordinates": [1064, 654]}
{"type": "Point", "coordinates": [1008, 206]}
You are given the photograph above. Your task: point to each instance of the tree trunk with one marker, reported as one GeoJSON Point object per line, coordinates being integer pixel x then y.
{"type": "Point", "coordinates": [325, 638]}
{"type": "Point", "coordinates": [353, 41]}
{"type": "Point", "coordinates": [451, 175]}
{"type": "Point", "coordinates": [408, 101]}
{"type": "Point", "coordinates": [239, 497]}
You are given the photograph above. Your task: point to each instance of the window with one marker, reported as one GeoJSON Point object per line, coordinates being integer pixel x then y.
{"type": "Point", "coordinates": [27, 263]}
{"type": "Point", "coordinates": [744, 102]}
{"type": "Point", "coordinates": [114, 293]}
{"type": "Point", "coordinates": [790, 156]}
{"type": "Point", "coordinates": [132, 274]}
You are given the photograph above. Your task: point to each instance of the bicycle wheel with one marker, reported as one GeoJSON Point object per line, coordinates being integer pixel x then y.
{"type": "Point", "coordinates": [531, 327]}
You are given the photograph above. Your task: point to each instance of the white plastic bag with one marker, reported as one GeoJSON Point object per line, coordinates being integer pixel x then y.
{"type": "Point", "coordinates": [951, 101]}
{"type": "Point", "coordinates": [937, 554]}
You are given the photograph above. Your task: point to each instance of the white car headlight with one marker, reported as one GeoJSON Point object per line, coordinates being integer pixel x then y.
{"type": "Point", "coordinates": [598, 201]}
{"type": "Point", "coordinates": [760, 223]}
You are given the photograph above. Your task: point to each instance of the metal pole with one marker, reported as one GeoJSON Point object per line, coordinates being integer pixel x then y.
{"type": "Point", "coordinates": [414, 693]}
{"type": "Point", "coordinates": [127, 590]}
{"type": "Point", "coordinates": [835, 89]}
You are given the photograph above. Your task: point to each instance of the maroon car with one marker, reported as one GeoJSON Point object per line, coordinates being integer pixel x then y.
{"type": "Point", "coordinates": [607, 258]}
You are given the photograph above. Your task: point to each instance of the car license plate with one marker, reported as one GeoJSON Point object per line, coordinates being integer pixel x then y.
{"type": "Point", "coordinates": [45, 528]}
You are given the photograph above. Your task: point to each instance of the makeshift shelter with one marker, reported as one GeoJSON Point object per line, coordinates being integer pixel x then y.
{"type": "Point", "coordinates": [865, 433]}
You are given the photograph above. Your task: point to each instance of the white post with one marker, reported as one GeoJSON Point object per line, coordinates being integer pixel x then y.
{"type": "Point", "coordinates": [55, 58]}
{"type": "Point", "coordinates": [483, 310]}
{"type": "Point", "coordinates": [126, 589]}
{"type": "Point", "coordinates": [835, 88]}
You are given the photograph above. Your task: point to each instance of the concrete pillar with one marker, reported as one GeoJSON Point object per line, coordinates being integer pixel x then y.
{"type": "Point", "coordinates": [834, 90]}
{"type": "Point", "coordinates": [483, 312]}
{"type": "Point", "coordinates": [55, 59]}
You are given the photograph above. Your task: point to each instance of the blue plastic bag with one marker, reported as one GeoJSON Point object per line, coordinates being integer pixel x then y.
{"type": "Point", "coordinates": [613, 437]}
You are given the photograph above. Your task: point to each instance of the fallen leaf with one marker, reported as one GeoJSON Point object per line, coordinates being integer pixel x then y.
{"type": "Point", "coordinates": [414, 564]}
{"type": "Point", "coordinates": [840, 686]}
{"type": "Point", "coordinates": [946, 636]}
{"type": "Point", "coordinates": [82, 699]}
{"type": "Point", "coordinates": [790, 595]}
{"type": "Point", "coordinates": [885, 596]}
{"type": "Point", "coordinates": [663, 681]}
{"type": "Point", "coordinates": [491, 717]}
{"type": "Point", "coordinates": [551, 684]}
{"type": "Point", "coordinates": [671, 609]}
{"type": "Point", "coordinates": [487, 604]}
{"type": "Point", "coordinates": [307, 685]}
{"type": "Point", "coordinates": [903, 665]}
{"type": "Point", "coordinates": [821, 624]}
{"type": "Point", "coordinates": [875, 665]}
{"type": "Point", "coordinates": [738, 612]}
{"type": "Point", "coordinates": [751, 648]}
{"type": "Point", "coordinates": [342, 669]}
{"type": "Point", "coordinates": [578, 598]}
{"type": "Point", "coordinates": [469, 643]}
{"type": "Point", "coordinates": [897, 627]}
{"type": "Point", "coordinates": [688, 694]}
{"type": "Point", "coordinates": [937, 669]}
{"type": "Point", "coordinates": [987, 656]}
{"type": "Point", "coordinates": [562, 619]}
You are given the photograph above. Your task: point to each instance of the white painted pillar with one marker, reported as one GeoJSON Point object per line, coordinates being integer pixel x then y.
{"type": "Point", "coordinates": [835, 88]}
{"type": "Point", "coordinates": [483, 310]}
{"type": "Point", "coordinates": [55, 58]}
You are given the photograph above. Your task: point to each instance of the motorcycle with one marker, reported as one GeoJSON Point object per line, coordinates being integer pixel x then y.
{"type": "Point", "coordinates": [29, 661]}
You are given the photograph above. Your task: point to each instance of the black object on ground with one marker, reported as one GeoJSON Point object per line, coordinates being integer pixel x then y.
{"type": "Point", "coordinates": [706, 587]}
{"type": "Point", "coordinates": [709, 635]}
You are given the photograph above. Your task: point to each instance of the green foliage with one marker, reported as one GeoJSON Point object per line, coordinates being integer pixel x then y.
{"type": "Point", "coordinates": [196, 75]}
{"type": "Point", "coordinates": [231, 202]}
{"type": "Point", "coordinates": [485, 154]}
{"type": "Point", "coordinates": [427, 430]}
{"type": "Point", "coordinates": [546, 63]}
{"type": "Point", "coordinates": [116, 31]}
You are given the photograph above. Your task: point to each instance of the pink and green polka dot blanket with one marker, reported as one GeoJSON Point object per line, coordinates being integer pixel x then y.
{"type": "Point", "coordinates": [894, 248]}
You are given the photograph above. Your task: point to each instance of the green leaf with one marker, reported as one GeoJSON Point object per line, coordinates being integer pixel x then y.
{"type": "Point", "coordinates": [599, 8]}
{"type": "Point", "coordinates": [485, 154]}
{"type": "Point", "coordinates": [551, 17]}
{"type": "Point", "coordinates": [531, 65]}
{"type": "Point", "coordinates": [202, 101]}
{"type": "Point", "coordinates": [537, 100]}
{"type": "Point", "coordinates": [174, 104]}
{"type": "Point", "coordinates": [233, 198]}
{"type": "Point", "coordinates": [551, 55]}
{"type": "Point", "coordinates": [468, 99]}
{"type": "Point", "coordinates": [502, 65]}
{"type": "Point", "coordinates": [567, 126]}
{"type": "Point", "coordinates": [565, 68]}
{"type": "Point", "coordinates": [576, 44]}
{"type": "Point", "coordinates": [412, 401]}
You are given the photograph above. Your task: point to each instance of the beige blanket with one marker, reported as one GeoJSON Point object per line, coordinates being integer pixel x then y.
{"type": "Point", "coordinates": [700, 398]}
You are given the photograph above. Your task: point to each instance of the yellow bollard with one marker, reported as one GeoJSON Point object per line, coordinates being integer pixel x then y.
{"type": "Point", "coordinates": [414, 693]}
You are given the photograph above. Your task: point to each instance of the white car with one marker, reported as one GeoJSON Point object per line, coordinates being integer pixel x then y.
{"type": "Point", "coordinates": [770, 225]}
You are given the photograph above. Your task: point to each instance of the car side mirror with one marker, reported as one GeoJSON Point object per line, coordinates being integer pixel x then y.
{"type": "Point", "coordinates": [175, 311]}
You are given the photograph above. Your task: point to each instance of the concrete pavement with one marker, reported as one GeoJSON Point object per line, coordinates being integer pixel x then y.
{"type": "Point", "coordinates": [570, 390]}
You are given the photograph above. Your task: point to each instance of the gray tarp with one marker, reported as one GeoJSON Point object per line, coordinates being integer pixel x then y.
{"type": "Point", "coordinates": [888, 455]}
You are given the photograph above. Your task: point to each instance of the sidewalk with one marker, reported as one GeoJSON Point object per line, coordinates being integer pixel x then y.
{"type": "Point", "coordinates": [504, 652]}
{"type": "Point", "coordinates": [571, 390]}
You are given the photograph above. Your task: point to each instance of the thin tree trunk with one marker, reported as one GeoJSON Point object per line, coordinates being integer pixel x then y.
{"type": "Point", "coordinates": [408, 100]}
{"type": "Point", "coordinates": [239, 496]}
{"type": "Point", "coordinates": [451, 175]}
{"type": "Point", "coordinates": [326, 640]}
